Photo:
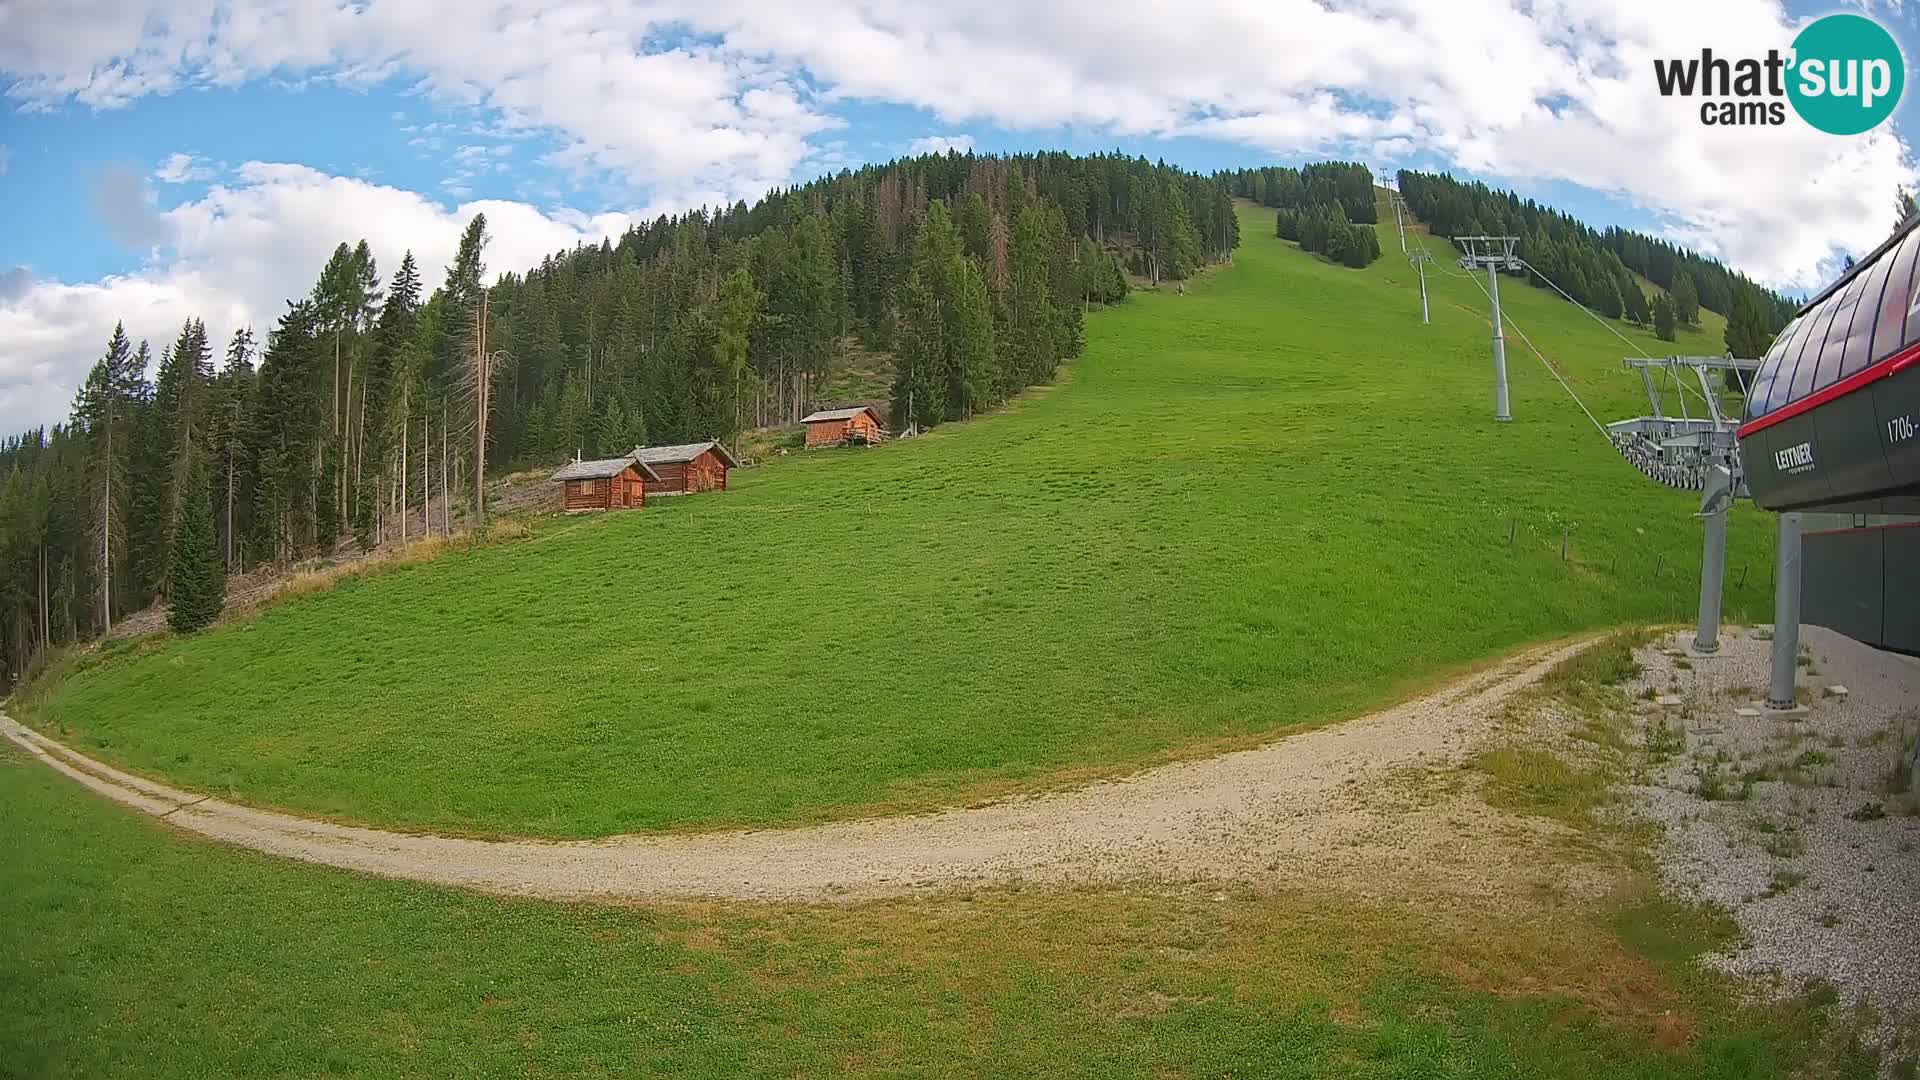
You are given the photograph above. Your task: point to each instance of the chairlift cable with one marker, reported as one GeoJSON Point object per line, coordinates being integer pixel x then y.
{"type": "Point", "coordinates": [1597, 425]}
{"type": "Point", "coordinates": [1630, 343]}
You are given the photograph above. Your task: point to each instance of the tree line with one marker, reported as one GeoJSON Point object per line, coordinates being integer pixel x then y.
{"type": "Point", "coordinates": [1328, 208]}
{"type": "Point", "coordinates": [374, 408]}
{"type": "Point", "coordinates": [1597, 267]}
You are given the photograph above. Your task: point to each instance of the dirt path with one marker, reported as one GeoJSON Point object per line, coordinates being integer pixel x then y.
{"type": "Point", "coordinates": [1301, 809]}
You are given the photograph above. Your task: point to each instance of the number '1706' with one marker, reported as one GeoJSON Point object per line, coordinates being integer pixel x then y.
{"type": "Point", "coordinates": [1900, 428]}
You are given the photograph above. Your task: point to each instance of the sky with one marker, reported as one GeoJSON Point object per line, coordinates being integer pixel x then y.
{"type": "Point", "coordinates": [203, 157]}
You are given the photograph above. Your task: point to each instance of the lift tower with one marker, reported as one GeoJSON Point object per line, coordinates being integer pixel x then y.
{"type": "Point", "coordinates": [1495, 253]}
{"type": "Point", "coordinates": [1420, 258]}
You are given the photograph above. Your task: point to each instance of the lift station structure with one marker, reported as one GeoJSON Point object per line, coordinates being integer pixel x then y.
{"type": "Point", "coordinates": [1830, 432]}
{"type": "Point", "coordinates": [1831, 437]}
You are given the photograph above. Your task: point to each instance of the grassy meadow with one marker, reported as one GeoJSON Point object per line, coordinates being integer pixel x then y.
{"type": "Point", "coordinates": [133, 950]}
{"type": "Point", "coordinates": [1271, 502]}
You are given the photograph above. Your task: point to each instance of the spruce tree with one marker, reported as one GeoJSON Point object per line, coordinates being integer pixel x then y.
{"type": "Point", "coordinates": [1749, 330]}
{"type": "Point", "coordinates": [197, 575]}
{"type": "Point", "coordinates": [104, 411]}
{"type": "Point", "coordinates": [970, 342]}
{"type": "Point", "coordinates": [1032, 352]}
{"type": "Point", "coordinates": [1637, 309]}
{"type": "Point", "coordinates": [1686, 300]}
{"type": "Point", "coordinates": [1663, 318]}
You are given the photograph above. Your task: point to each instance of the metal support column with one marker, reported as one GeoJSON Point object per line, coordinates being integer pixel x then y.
{"type": "Point", "coordinates": [1495, 253]}
{"type": "Point", "coordinates": [1786, 614]}
{"type": "Point", "coordinates": [1420, 258]}
{"type": "Point", "coordinates": [1713, 558]}
{"type": "Point", "coordinates": [1500, 411]}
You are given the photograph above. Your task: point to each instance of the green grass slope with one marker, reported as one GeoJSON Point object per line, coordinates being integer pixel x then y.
{"type": "Point", "coordinates": [1271, 502]}
{"type": "Point", "coordinates": [130, 950]}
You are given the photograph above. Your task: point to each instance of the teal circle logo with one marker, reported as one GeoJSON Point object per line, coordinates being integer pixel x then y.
{"type": "Point", "coordinates": [1847, 74]}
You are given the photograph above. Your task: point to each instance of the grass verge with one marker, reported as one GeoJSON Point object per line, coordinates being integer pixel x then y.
{"type": "Point", "coordinates": [129, 950]}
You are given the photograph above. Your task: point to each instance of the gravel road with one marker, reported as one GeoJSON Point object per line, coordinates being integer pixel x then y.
{"type": "Point", "coordinates": [1300, 810]}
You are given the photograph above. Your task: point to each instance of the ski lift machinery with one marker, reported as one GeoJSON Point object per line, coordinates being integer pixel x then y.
{"type": "Point", "coordinates": [1692, 453]}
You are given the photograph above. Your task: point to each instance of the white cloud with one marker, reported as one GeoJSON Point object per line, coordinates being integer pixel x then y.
{"type": "Point", "coordinates": [182, 169]}
{"type": "Point", "coordinates": [718, 100]}
{"type": "Point", "coordinates": [6, 155]}
{"type": "Point", "coordinates": [236, 255]}
{"type": "Point", "coordinates": [940, 144]}
{"type": "Point", "coordinates": [1553, 89]}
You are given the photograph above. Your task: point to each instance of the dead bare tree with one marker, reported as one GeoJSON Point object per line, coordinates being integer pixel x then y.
{"type": "Point", "coordinates": [446, 498]}
{"type": "Point", "coordinates": [481, 364]}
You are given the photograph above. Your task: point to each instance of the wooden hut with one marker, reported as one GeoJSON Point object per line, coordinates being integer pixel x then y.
{"type": "Point", "coordinates": [687, 468]}
{"type": "Point", "coordinates": [832, 427]}
{"type": "Point", "coordinates": [607, 484]}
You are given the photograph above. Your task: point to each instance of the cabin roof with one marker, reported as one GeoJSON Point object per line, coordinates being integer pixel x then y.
{"type": "Point", "coordinates": [667, 455]}
{"type": "Point", "coordinates": [593, 470]}
{"type": "Point", "coordinates": [840, 414]}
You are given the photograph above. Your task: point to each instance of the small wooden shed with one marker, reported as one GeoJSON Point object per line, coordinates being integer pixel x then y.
{"type": "Point", "coordinates": [687, 467]}
{"type": "Point", "coordinates": [607, 484]}
{"type": "Point", "coordinates": [831, 427]}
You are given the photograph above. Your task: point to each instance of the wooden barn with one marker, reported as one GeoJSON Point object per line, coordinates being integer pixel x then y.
{"type": "Point", "coordinates": [608, 484]}
{"type": "Point", "coordinates": [832, 427]}
{"type": "Point", "coordinates": [687, 468]}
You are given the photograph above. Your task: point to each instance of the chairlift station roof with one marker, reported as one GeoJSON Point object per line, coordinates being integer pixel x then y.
{"type": "Point", "coordinates": [1833, 415]}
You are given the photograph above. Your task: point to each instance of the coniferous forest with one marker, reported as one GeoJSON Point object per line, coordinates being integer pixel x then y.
{"type": "Point", "coordinates": [379, 399]}
{"type": "Point", "coordinates": [1597, 268]}
{"type": "Point", "coordinates": [1329, 208]}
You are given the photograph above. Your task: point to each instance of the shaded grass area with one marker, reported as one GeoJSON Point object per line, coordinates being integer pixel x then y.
{"type": "Point", "coordinates": [129, 950]}
{"type": "Point", "coordinates": [1272, 502]}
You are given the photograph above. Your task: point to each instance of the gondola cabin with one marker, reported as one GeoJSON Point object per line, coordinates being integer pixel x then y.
{"type": "Point", "coordinates": [607, 484]}
{"type": "Point", "coordinates": [687, 468]}
{"type": "Point", "coordinates": [836, 427]}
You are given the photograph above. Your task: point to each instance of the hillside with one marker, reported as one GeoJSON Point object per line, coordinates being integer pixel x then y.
{"type": "Point", "coordinates": [1266, 503]}
{"type": "Point", "coordinates": [970, 274]}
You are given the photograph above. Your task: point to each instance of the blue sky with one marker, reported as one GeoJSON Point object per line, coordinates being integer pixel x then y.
{"type": "Point", "coordinates": [200, 157]}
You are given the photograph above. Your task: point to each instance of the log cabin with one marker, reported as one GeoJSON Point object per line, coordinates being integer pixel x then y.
{"type": "Point", "coordinates": [833, 427]}
{"type": "Point", "coordinates": [607, 484]}
{"type": "Point", "coordinates": [686, 468]}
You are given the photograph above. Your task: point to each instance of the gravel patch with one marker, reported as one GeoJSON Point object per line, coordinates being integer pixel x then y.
{"type": "Point", "coordinates": [1800, 827]}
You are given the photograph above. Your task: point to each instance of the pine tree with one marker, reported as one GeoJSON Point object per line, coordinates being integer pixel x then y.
{"type": "Point", "coordinates": [179, 419]}
{"type": "Point", "coordinates": [919, 389]}
{"type": "Point", "coordinates": [289, 424]}
{"type": "Point", "coordinates": [1749, 329]}
{"type": "Point", "coordinates": [104, 410]}
{"type": "Point", "coordinates": [1031, 352]}
{"type": "Point", "coordinates": [231, 403]}
{"type": "Point", "coordinates": [1637, 309]}
{"type": "Point", "coordinates": [197, 574]}
{"type": "Point", "coordinates": [735, 310]}
{"type": "Point", "coordinates": [393, 366]}
{"type": "Point", "coordinates": [1663, 318]}
{"type": "Point", "coordinates": [1686, 301]}
{"type": "Point", "coordinates": [969, 343]}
